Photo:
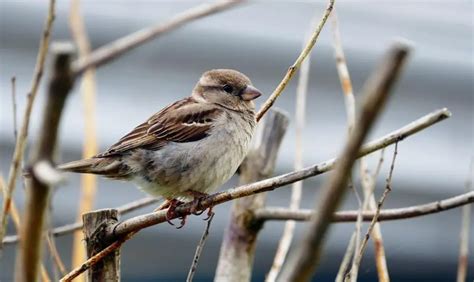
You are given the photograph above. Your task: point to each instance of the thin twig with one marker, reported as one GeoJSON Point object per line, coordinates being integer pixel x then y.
{"type": "Point", "coordinates": [15, 126]}
{"type": "Point", "coordinates": [292, 69]}
{"type": "Point", "coordinates": [88, 89]}
{"type": "Point", "coordinates": [304, 259]}
{"type": "Point", "coordinates": [21, 140]}
{"type": "Point", "coordinates": [346, 259]}
{"type": "Point", "coordinates": [277, 213]}
{"type": "Point", "coordinates": [122, 45]}
{"type": "Point", "coordinates": [388, 189]}
{"type": "Point", "coordinates": [464, 236]}
{"type": "Point", "coordinates": [55, 254]}
{"type": "Point", "coordinates": [297, 188]}
{"type": "Point", "coordinates": [199, 249]}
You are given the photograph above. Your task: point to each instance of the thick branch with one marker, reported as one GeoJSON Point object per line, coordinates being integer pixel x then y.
{"type": "Point", "coordinates": [305, 258]}
{"type": "Point", "coordinates": [385, 215]}
{"type": "Point", "coordinates": [37, 191]}
{"type": "Point", "coordinates": [122, 45]}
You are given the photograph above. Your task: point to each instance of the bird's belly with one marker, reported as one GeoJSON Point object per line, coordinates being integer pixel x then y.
{"type": "Point", "coordinates": [201, 166]}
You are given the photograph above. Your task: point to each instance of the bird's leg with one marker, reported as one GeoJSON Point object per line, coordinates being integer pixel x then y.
{"type": "Point", "coordinates": [171, 205]}
{"type": "Point", "coordinates": [198, 196]}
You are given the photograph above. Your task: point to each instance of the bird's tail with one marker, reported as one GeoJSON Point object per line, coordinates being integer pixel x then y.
{"type": "Point", "coordinates": [108, 167]}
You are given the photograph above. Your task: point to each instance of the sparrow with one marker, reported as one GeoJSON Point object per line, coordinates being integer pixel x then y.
{"type": "Point", "coordinates": [189, 148]}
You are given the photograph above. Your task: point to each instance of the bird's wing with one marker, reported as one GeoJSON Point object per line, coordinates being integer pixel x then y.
{"type": "Point", "coordinates": [183, 121]}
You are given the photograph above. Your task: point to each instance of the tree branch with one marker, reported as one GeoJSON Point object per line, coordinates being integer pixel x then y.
{"type": "Point", "coordinates": [292, 69]}
{"type": "Point", "coordinates": [305, 258]}
{"type": "Point", "coordinates": [38, 192]}
{"type": "Point", "coordinates": [122, 45]}
{"type": "Point", "coordinates": [385, 215]}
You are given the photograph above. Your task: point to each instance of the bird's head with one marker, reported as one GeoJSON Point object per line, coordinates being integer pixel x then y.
{"type": "Point", "coordinates": [227, 88]}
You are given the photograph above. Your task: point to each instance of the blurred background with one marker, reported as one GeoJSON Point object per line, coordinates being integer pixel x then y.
{"type": "Point", "coordinates": [262, 39]}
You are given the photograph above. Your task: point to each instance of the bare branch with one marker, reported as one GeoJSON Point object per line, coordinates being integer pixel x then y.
{"type": "Point", "coordinates": [55, 254]}
{"type": "Point", "coordinates": [346, 259]}
{"type": "Point", "coordinates": [15, 126]}
{"type": "Point", "coordinates": [90, 147]}
{"type": "Point", "coordinates": [292, 69]}
{"type": "Point", "coordinates": [297, 189]}
{"type": "Point", "coordinates": [199, 249]}
{"type": "Point", "coordinates": [388, 188]}
{"type": "Point", "coordinates": [37, 192]}
{"type": "Point", "coordinates": [21, 140]}
{"type": "Point", "coordinates": [122, 45]}
{"type": "Point", "coordinates": [305, 258]}
{"type": "Point", "coordinates": [464, 236]}
{"type": "Point", "coordinates": [385, 215]}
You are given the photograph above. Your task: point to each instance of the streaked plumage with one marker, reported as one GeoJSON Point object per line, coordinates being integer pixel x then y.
{"type": "Point", "coordinates": [196, 143]}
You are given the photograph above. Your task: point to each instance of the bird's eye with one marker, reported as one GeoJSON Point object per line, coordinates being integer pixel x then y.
{"type": "Point", "coordinates": [227, 88]}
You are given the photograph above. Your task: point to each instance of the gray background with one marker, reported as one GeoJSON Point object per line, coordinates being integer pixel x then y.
{"type": "Point", "coordinates": [262, 39]}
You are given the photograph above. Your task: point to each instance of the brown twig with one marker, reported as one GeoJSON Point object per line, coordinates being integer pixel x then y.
{"type": "Point", "coordinates": [21, 140]}
{"type": "Point", "coordinates": [37, 192]}
{"type": "Point", "coordinates": [388, 189]}
{"type": "Point", "coordinates": [15, 126]}
{"type": "Point", "coordinates": [199, 249]}
{"type": "Point", "coordinates": [292, 69]}
{"type": "Point", "coordinates": [385, 215]}
{"type": "Point", "coordinates": [368, 183]}
{"type": "Point", "coordinates": [88, 89]}
{"type": "Point", "coordinates": [297, 187]}
{"type": "Point", "coordinates": [464, 236]}
{"type": "Point", "coordinates": [305, 258]}
{"type": "Point", "coordinates": [55, 255]}
{"type": "Point", "coordinates": [122, 45]}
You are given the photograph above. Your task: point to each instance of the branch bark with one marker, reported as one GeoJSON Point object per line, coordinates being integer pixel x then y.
{"type": "Point", "coordinates": [238, 246]}
{"type": "Point", "coordinates": [304, 259]}
{"type": "Point", "coordinates": [94, 223]}
{"type": "Point", "coordinates": [272, 213]}
{"type": "Point", "coordinates": [38, 192]}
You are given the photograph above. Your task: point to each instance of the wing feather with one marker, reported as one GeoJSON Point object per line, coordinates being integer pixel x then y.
{"type": "Point", "coordinates": [183, 121]}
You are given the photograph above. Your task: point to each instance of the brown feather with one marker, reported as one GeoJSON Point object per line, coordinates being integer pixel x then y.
{"type": "Point", "coordinates": [183, 121]}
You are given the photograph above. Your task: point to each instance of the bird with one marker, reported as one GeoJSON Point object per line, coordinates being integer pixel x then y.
{"type": "Point", "coordinates": [189, 148]}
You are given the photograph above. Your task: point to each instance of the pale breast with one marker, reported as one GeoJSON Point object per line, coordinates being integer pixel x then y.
{"type": "Point", "coordinates": [202, 165]}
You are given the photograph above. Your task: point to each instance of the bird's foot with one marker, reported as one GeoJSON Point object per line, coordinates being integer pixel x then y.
{"type": "Point", "coordinates": [196, 204]}
{"type": "Point", "coordinates": [171, 205]}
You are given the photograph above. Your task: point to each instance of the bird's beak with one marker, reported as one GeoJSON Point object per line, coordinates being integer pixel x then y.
{"type": "Point", "coordinates": [250, 93]}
